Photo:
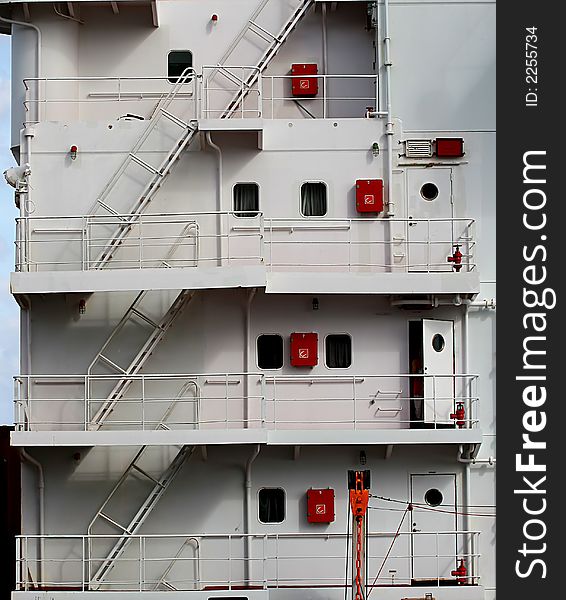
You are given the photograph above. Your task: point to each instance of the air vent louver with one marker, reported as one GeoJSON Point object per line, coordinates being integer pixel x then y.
{"type": "Point", "coordinates": [418, 148]}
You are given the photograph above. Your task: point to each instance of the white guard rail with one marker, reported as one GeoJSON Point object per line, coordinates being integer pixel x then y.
{"type": "Point", "coordinates": [165, 240]}
{"type": "Point", "coordinates": [247, 400]}
{"type": "Point", "coordinates": [367, 244]}
{"type": "Point", "coordinates": [187, 562]}
{"type": "Point", "coordinates": [158, 240]}
{"type": "Point", "coordinates": [217, 91]}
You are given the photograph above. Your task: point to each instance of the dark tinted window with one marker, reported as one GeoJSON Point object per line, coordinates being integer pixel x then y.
{"type": "Point", "coordinates": [313, 199]}
{"type": "Point", "coordinates": [338, 351]}
{"type": "Point", "coordinates": [270, 351]}
{"type": "Point", "coordinates": [271, 503]}
{"type": "Point", "coordinates": [246, 197]}
{"type": "Point", "coordinates": [177, 62]}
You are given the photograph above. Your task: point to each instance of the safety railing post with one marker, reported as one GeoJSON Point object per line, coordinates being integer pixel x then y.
{"type": "Point", "coordinates": [140, 239]}
{"type": "Point", "coordinates": [263, 562]}
{"type": "Point", "coordinates": [275, 402]}
{"type": "Point", "coordinates": [428, 259]}
{"type": "Point", "coordinates": [25, 566]}
{"type": "Point", "coordinates": [272, 98]}
{"type": "Point", "coordinates": [86, 401]}
{"type": "Point", "coordinates": [143, 401]}
{"type": "Point", "coordinates": [227, 229]}
{"type": "Point", "coordinates": [18, 563]}
{"type": "Point", "coordinates": [264, 401]}
{"type": "Point", "coordinates": [276, 560]}
{"type": "Point", "coordinates": [354, 399]}
{"type": "Point", "coordinates": [89, 560]}
{"type": "Point", "coordinates": [437, 559]}
{"type": "Point", "coordinates": [259, 94]}
{"type": "Point", "coordinates": [84, 244]}
{"type": "Point", "coordinates": [261, 237]}
{"type": "Point", "coordinates": [226, 399]}
{"type": "Point", "coordinates": [350, 222]}
{"type": "Point", "coordinates": [324, 97]}
{"type": "Point", "coordinates": [140, 563]}
{"type": "Point", "coordinates": [83, 563]}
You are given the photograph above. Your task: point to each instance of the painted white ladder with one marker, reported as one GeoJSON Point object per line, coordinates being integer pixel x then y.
{"type": "Point", "coordinates": [161, 483]}
{"type": "Point", "coordinates": [109, 197]}
{"type": "Point", "coordinates": [157, 332]}
{"type": "Point", "coordinates": [272, 42]}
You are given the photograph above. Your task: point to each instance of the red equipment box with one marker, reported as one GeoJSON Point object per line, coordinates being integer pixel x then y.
{"type": "Point", "coordinates": [320, 506]}
{"type": "Point", "coordinates": [449, 147]}
{"type": "Point", "coordinates": [304, 349]}
{"type": "Point", "coordinates": [369, 195]}
{"type": "Point", "coordinates": [304, 86]}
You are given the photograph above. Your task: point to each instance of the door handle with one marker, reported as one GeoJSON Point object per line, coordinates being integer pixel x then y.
{"type": "Point", "coordinates": [415, 530]}
{"type": "Point", "coordinates": [411, 224]}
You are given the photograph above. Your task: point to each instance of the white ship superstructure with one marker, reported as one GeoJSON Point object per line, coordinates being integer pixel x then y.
{"type": "Point", "coordinates": [254, 260]}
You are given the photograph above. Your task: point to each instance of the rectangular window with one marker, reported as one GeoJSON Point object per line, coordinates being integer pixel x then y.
{"type": "Point", "coordinates": [270, 351]}
{"type": "Point", "coordinates": [313, 199]}
{"type": "Point", "coordinates": [338, 351]}
{"type": "Point", "coordinates": [271, 505]}
{"type": "Point", "coordinates": [177, 62]}
{"type": "Point", "coordinates": [246, 198]}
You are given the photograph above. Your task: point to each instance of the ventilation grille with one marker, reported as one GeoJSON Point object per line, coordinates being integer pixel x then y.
{"type": "Point", "coordinates": [418, 148]}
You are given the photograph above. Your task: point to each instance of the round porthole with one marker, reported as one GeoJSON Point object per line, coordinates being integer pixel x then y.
{"type": "Point", "coordinates": [438, 342]}
{"type": "Point", "coordinates": [429, 191]}
{"type": "Point", "coordinates": [433, 497]}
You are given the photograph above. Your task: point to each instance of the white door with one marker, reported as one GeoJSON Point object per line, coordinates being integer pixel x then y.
{"type": "Point", "coordinates": [433, 526]}
{"type": "Point", "coordinates": [429, 199]}
{"type": "Point", "coordinates": [438, 366]}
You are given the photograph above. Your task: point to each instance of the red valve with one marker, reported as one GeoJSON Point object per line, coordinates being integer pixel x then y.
{"type": "Point", "coordinates": [73, 152]}
{"type": "Point", "coordinates": [459, 415]}
{"type": "Point", "coordinates": [461, 573]}
{"type": "Point", "coordinates": [456, 258]}
{"type": "Point", "coordinates": [214, 18]}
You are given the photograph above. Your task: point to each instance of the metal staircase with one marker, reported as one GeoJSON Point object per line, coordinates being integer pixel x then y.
{"type": "Point", "coordinates": [269, 45]}
{"type": "Point", "coordinates": [102, 362]}
{"type": "Point", "coordinates": [160, 485]}
{"type": "Point", "coordinates": [111, 199]}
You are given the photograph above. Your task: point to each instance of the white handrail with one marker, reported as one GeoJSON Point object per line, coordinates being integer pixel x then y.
{"type": "Point", "coordinates": [349, 401]}
{"type": "Point", "coordinates": [218, 559]}
{"type": "Point", "coordinates": [156, 240]}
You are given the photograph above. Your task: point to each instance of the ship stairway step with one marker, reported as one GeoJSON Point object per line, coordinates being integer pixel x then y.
{"type": "Point", "coordinates": [272, 41]}
{"type": "Point", "coordinates": [160, 485]}
{"type": "Point", "coordinates": [120, 338]}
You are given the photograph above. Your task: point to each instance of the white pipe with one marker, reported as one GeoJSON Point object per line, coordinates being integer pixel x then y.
{"type": "Point", "coordinates": [218, 194]}
{"type": "Point", "coordinates": [41, 487]}
{"type": "Point", "coordinates": [248, 501]}
{"type": "Point", "coordinates": [247, 353]}
{"type": "Point", "coordinates": [467, 479]}
{"type": "Point", "coordinates": [38, 49]}
{"type": "Point", "coordinates": [389, 125]}
{"type": "Point", "coordinates": [25, 202]}
{"type": "Point", "coordinates": [324, 43]}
